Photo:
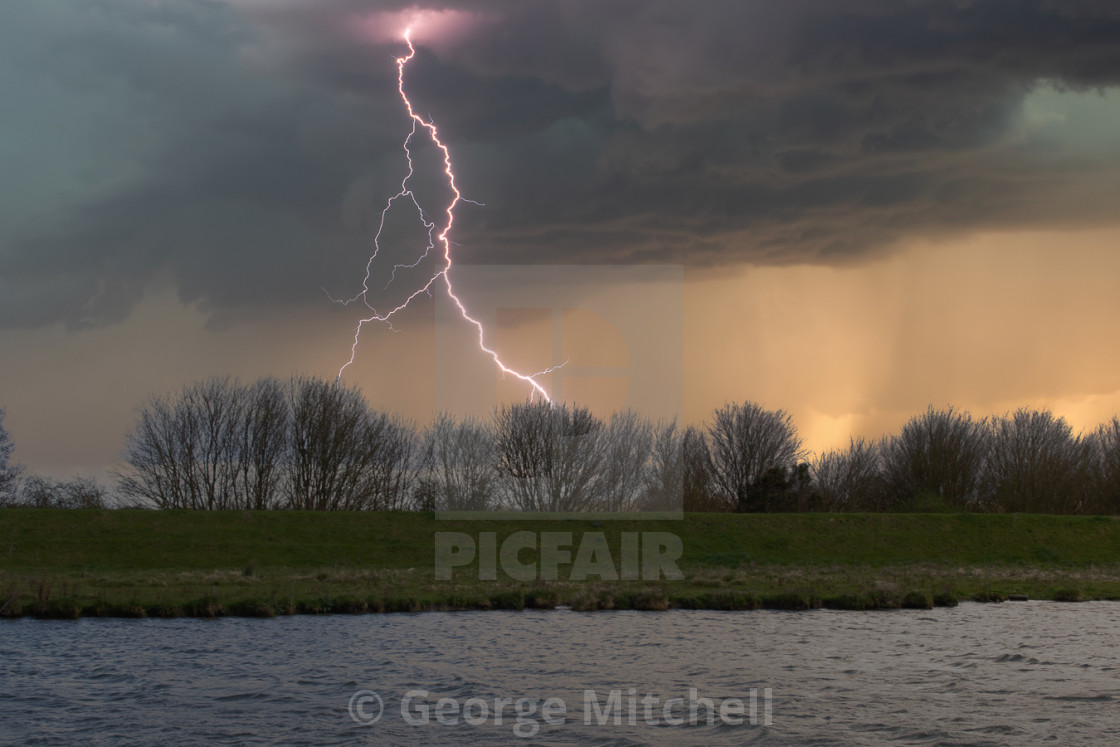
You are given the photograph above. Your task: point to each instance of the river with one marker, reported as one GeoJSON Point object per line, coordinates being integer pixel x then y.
{"type": "Point", "coordinates": [1001, 674]}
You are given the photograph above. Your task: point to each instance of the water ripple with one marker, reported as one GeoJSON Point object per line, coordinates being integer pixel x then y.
{"type": "Point", "coordinates": [975, 674]}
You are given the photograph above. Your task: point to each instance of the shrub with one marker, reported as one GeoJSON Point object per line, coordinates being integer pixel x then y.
{"type": "Point", "coordinates": [251, 608]}
{"type": "Point", "coordinates": [541, 599]}
{"type": "Point", "coordinates": [790, 601]}
{"type": "Point", "coordinates": [508, 600]}
{"type": "Point", "coordinates": [646, 600]}
{"type": "Point", "coordinates": [939, 453]}
{"type": "Point", "coordinates": [747, 444]}
{"type": "Point", "coordinates": [1036, 464]}
{"type": "Point", "coordinates": [57, 609]}
{"type": "Point", "coordinates": [164, 610]}
{"type": "Point", "coordinates": [989, 596]}
{"type": "Point", "coordinates": [849, 480]}
{"type": "Point", "coordinates": [207, 607]}
{"type": "Point", "coordinates": [917, 600]}
{"type": "Point", "coordinates": [846, 602]}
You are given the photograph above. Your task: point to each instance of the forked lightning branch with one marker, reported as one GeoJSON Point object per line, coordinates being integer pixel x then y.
{"type": "Point", "coordinates": [438, 240]}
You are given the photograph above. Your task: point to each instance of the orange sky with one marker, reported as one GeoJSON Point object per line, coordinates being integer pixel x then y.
{"type": "Point", "coordinates": [989, 323]}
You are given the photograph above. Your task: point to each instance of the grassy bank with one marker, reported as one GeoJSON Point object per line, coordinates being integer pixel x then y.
{"type": "Point", "coordinates": [148, 563]}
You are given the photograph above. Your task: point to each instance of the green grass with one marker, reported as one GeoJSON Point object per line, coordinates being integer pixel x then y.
{"type": "Point", "coordinates": [166, 563]}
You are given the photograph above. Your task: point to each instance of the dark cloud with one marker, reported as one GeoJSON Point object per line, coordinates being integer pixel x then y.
{"type": "Point", "coordinates": [242, 149]}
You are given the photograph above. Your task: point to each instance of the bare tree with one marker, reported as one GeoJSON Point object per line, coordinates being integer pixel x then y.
{"type": "Point", "coordinates": [325, 468]}
{"type": "Point", "coordinates": [394, 465]}
{"type": "Point", "coordinates": [849, 479]}
{"type": "Point", "coordinates": [938, 456]}
{"type": "Point", "coordinates": [746, 443]}
{"type": "Point", "coordinates": [151, 451]}
{"type": "Point", "coordinates": [457, 466]}
{"type": "Point", "coordinates": [343, 456]}
{"type": "Point", "coordinates": [1036, 464]}
{"type": "Point", "coordinates": [261, 441]}
{"type": "Point", "coordinates": [625, 445]}
{"type": "Point", "coordinates": [700, 493]}
{"type": "Point", "coordinates": [310, 444]}
{"type": "Point", "coordinates": [1103, 448]}
{"type": "Point", "coordinates": [548, 456]}
{"type": "Point", "coordinates": [79, 492]}
{"type": "Point", "coordinates": [665, 474]}
{"type": "Point", "coordinates": [9, 473]}
{"type": "Point", "coordinates": [214, 411]}
{"type": "Point", "coordinates": [181, 452]}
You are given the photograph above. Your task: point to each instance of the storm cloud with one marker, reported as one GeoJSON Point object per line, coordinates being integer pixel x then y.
{"type": "Point", "coordinates": [240, 151]}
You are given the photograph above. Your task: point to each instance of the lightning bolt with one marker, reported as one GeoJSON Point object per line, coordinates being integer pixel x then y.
{"type": "Point", "coordinates": [438, 240]}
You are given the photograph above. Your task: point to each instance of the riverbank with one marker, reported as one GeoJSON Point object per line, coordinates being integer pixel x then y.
{"type": "Point", "coordinates": [64, 564]}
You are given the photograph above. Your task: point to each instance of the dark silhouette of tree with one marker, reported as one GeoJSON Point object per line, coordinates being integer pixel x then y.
{"type": "Point", "coordinates": [180, 449]}
{"type": "Point", "coordinates": [769, 493]}
{"type": "Point", "coordinates": [664, 475]}
{"type": "Point", "coordinates": [9, 472]}
{"type": "Point", "coordinates": [80, 492]}
{"type": "Point", "coordinates": [626, 443]}
{"type": "Point", "coordinates": [699, 492]}
{"type": "Point", "coordinates": [213, 412]}
{"type": "Point", "coordinates": [342, 455]}
{"type": "Point", "coordinates": [801, 495]}
{"type": "Point", "coordinates": [263, 426]}
{"type": "Point", "coordinates": [214, 446]}
{"type": "Point", "coordinates": [548, 457]}
{"type": "Point", "coordinates": [1036, 464]}
{"type": "Point", "coordinates": [457, 469]}
{"type": "Point", "coordinates": [747, 442]}
{"type": "Point", "coordinates": [936, 460]}
{"type": "Point", "coordinates": [314, 445]}
{"type": "Point", "coordinates": [1103, 453]}
{"type": "Point", "coordinates": [309, 444]}
{"type": "Point", "coordinates": [849, 479]}
{"type": "Point", "coordinates": [782, 490]}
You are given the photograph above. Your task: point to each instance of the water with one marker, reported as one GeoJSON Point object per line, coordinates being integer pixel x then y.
{"type": "Point", "coordinates": [1009, 674]}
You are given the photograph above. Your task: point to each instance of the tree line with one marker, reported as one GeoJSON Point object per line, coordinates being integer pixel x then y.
{"type": "Point", "coordinates": [310, 444]}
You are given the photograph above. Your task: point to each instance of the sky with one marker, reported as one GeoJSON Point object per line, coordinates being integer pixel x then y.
{"type": "Point", "coordinates": [847, 209]}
